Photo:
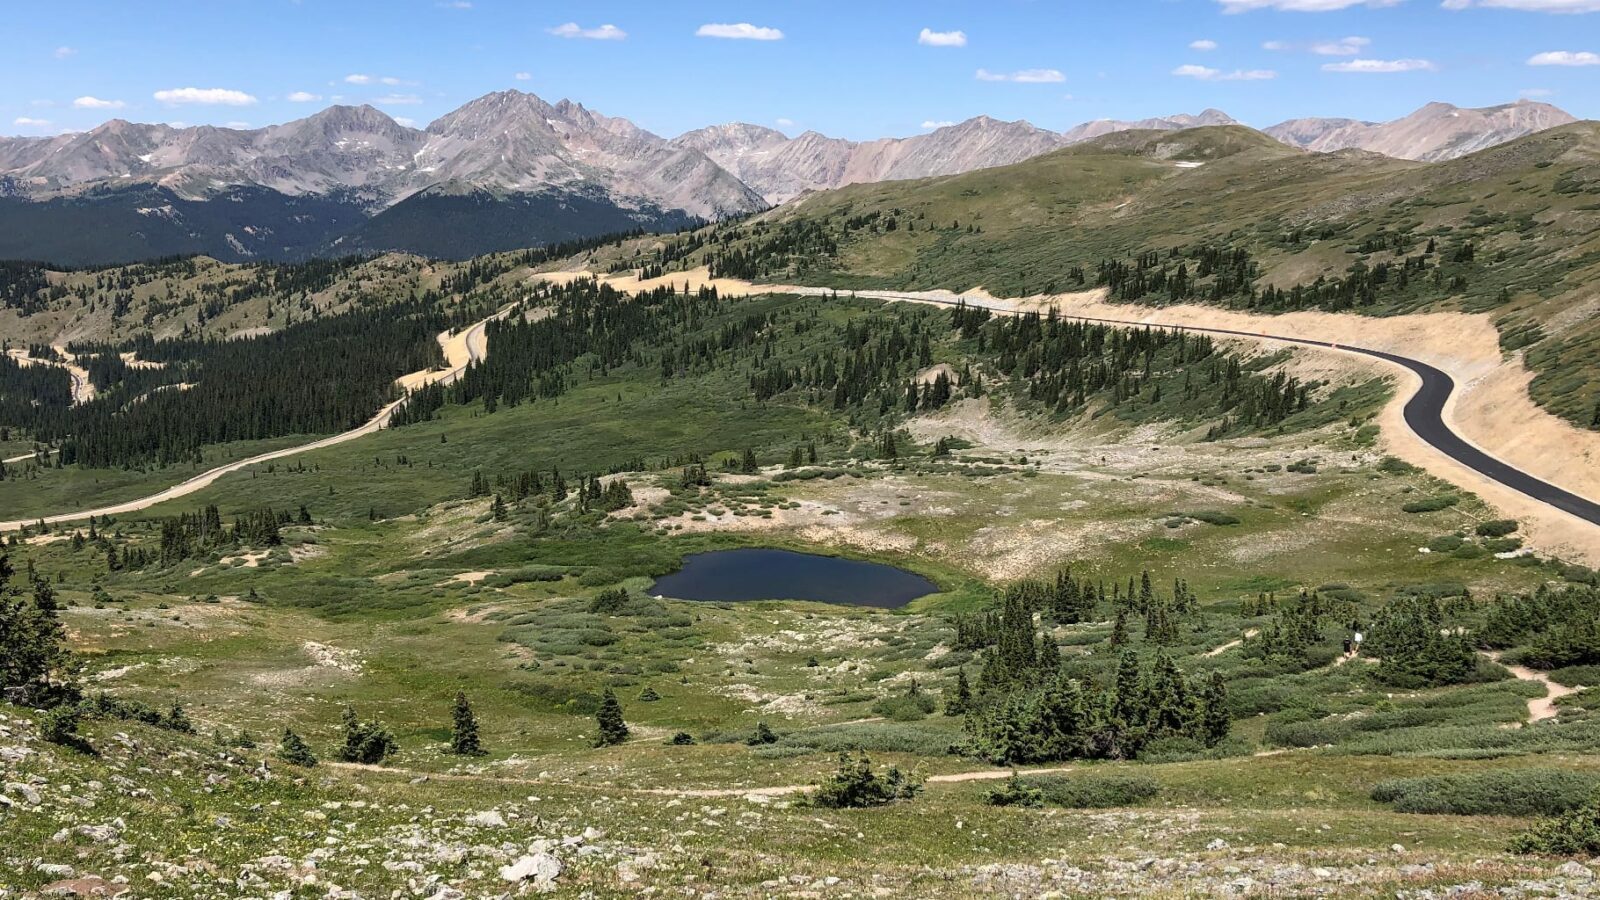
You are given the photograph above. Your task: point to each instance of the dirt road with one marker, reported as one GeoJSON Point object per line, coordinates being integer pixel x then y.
{"type": "Point", "coordinates": [460, 349]}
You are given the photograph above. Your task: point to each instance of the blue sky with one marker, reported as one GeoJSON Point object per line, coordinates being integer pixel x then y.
{"type": "Point", "coordinates": [860, 69]}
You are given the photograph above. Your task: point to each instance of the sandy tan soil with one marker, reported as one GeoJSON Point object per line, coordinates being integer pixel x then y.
{"type": "Point", "coordinates": [82, 388]}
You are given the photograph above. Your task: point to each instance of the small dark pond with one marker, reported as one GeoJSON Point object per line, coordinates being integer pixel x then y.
{"type": "Point", "coordinates": [757, 574]}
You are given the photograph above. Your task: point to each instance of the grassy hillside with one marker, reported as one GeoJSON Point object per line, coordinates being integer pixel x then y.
{"type": "Point", "coordinates": [1513, 231]}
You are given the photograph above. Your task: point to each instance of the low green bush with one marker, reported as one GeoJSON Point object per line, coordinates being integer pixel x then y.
{"type": "Point", "coordinates": [1496, 528]}
{"type": "Point", "coordinates": [1431, 504]}
{"type": "Point", "coordinates": [1523, 792]}
{"type": "Point", "coordinates": [1094, 791]}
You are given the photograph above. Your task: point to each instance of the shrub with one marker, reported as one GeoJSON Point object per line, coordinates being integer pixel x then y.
{"type": "Point", "coordinates": [876, 737]}
{"type": "Point", "coordinates": [1015, 792]}
{"type": "Point", "coordinates": [762, 735]}
{"type": "Point", "coordinates": [905, 707]}
{"type": "Point", "coordinates": [1214, 517]}
{"type": "Point", "coordinates": [1394, 465]}
{"type": "Point", "coordinates": [1445, 543]}
{"type": "Point", "coordinates": [1502, 544]}
{"type": "Point", "coordinates": [857, 786]}
{"type": "Point", "coordinates": [1576, 833]}
{"type": "Point", "coordinates": [682, 739]}
{"type": "Point", "coordinates": [60, 725]}
{"type": "Point", "coordinates": [1506, 793]}
{"type": "Point", "coordinates": [1431, 504]}
{"type": "Point", "coordinates": [1307, 734]}
{"type": "Point", "coordinates": [1496, 528]}
{"type": "Point", "coordinates": [1095, 791]}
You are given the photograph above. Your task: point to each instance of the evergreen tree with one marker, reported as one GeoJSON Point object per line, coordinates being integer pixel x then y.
{"type": "Point", "coordinates": [1216, 720]}
{"type": "Point", "coordinates": [365, 742]}
{"type": "Point", "coordinates": [294, 751]}
{"type": "Point", "coordinates": [464, 731]}
{"type": "Point", "coordinates": [612, 730]}
{"type": "Point", "coordinates": [960, 696]}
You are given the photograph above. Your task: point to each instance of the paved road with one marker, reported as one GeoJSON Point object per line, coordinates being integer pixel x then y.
{"type": "Point", "coordinates": [476, 344]}
{"type": "Point", "coordinates": [1424, 412]}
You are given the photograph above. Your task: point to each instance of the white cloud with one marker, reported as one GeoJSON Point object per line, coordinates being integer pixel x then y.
{"type": "Point", "coordinates": [1544, 6]}
{"type": "Point", "coordinates": [931, 38]}
{"type": "Point", "coordinates": [205, 96]}
{"type": "Point", "coordinates": [26, 122]}
{"type": "Point", "coordinates": [785, 123]}
{"type": "Point", "coordinates": [603, 33]}
{"type": "Point", "coordinates": [1535, 93]}
{"type": "Point", "coordinates": [409, 123]}
{"type": "Point", "coordinates": [398, 100]}
{"type": "Point", "coordinates": [742, 31]}
{"type": "Point", "coordinates": [1380, 66]}
{"type": "Point", "coordinates": [303, 97]}
{"type": "Point", "coordinates": [389, 80]}
{"type": "Point", "coordinates": [1565, 58]}
{"type": "Point", "coordinates": [1205, 73]}
{"type": "Point", "coordinates": [523, 76]}
{"type": "Point", "coordinates": [1345, 46]}
{"type": "Point", "coordinates": [240, 125]}
{"type": "Point", "coordinates": [1024, 76]}
{"type": "Point", "coordinates": [456, 4]}
{"type": "Point", "coordinates": [64, 52]}
{"type": "Point", "coordinates": [1203, 45]}
{"type": "Point", "coordinates": [1348, 46]}
{"type": "Point", "coordinates": [1240, 6]}
{"type": "Point", "coordinates": [939, 124]}
{"type": "Point", "coordinates": [97, 103]}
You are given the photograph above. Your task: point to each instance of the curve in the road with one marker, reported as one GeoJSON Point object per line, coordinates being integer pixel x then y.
{"type": "Point", "coordinates": [475, 342]}
{"type": "Point", "coordinates": [1424, 412]}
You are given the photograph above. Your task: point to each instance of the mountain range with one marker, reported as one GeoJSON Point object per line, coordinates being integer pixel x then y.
{"type": "Point", "coordinates": [509, 170]}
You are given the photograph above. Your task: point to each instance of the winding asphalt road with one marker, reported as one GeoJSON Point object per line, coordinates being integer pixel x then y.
{"type": "Point", "coordinates": [1424, 415]}
{"type": "Point", "coordinates": [1424, 412]}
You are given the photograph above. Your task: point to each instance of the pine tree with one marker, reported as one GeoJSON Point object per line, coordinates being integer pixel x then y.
{"type": "Point", "coordinates": [464, 733]}
{"type": "Point", "coordinates": [748, 464]}
{"type": "Point", "coordinates": [365, 742]}
{"type": "Point", "coordinates": [497, 509]}
{"type": "Point", "coordinates": [960, 698]}
{"type": "Point", "coordinates": [1215, 717]}
{"type": "Point", "coordinates": [612, 730]}
{"type": "Point", "coordinates": [294, 751]}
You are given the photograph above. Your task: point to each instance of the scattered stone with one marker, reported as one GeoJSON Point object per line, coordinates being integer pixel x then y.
{"type": "Point", "coordinates": [488, 819]}
{"type": "Point", "coordinates": [540, 868]}
{"type": "Point", "coordinates": [1573, 869]}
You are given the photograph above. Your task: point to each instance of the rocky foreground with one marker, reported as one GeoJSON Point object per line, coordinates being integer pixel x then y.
{"type": "Point", "coordinates": [151, 814]}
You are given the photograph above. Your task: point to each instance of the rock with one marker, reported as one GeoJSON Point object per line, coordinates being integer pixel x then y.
{"type": "Point", "coordinates": [1572, 869]}
{"type": "Point", "coordinates": [488, 819]}
{"type": "Point", "coordinates": [1217, 844]}
{"type": "Point", "coordinates": [87, 886]}
{"type": "Point", "coordinates": [540, 868]}
{"type": "Point", "coordinates": [1397, 848]}
{"type": "Point", "coordinates": [56, 870]}
{"type": "Point", "coordinates": [27, 793]}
